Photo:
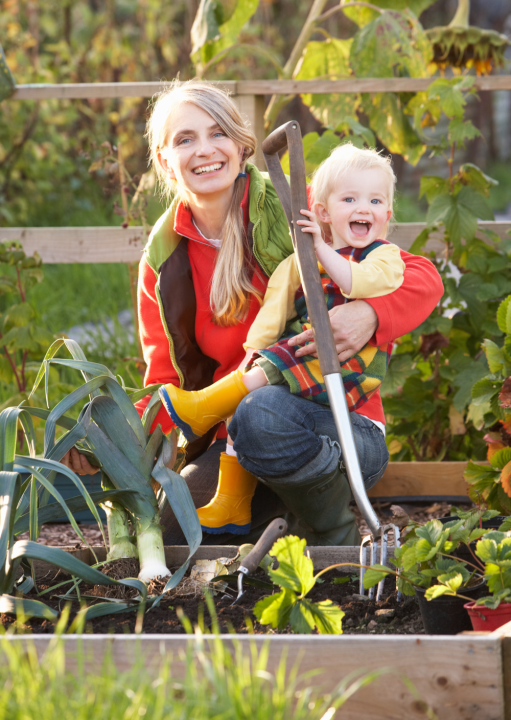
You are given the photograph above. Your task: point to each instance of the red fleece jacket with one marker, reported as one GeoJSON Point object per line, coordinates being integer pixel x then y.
{"type": "Point", "coordinates": [398, 313]}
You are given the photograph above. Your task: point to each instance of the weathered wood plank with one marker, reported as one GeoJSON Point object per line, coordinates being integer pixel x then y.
{"type": "Point", "coordinates": [247, 87]}
{"type": "Point", "coordinates": [460, 678]}
{"type": "Point", "coordinates": [422, 478]}
{"type": "Point", "coordinates": [175, 555]}
{"type": "Point", "coordinates": [116, 244]}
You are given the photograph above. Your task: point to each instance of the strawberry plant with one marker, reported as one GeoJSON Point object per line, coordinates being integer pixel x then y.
{"type": "Point", "coordinates": [295, 576]}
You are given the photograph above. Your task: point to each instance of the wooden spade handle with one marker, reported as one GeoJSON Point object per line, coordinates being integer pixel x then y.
{"type": "Point", "coordinates": [276, 529]}
{"type": "Point", "coordinates": [290, 134]}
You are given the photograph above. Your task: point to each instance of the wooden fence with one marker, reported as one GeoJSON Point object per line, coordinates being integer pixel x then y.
{"type": "Point", "coordinates": [115, 244]}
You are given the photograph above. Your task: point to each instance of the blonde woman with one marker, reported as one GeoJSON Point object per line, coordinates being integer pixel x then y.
{"type": "Point", "coordinates": [204, 273]}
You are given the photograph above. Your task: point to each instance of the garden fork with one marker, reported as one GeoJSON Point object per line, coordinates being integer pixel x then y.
{"type": "Point", "coordinates": [293, 199]}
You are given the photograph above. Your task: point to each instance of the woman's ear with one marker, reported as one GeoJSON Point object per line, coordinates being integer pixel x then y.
{"type": "Point", "coordinates": [164, 164]}
{"type": "Point", "coordinates": [321, 213]}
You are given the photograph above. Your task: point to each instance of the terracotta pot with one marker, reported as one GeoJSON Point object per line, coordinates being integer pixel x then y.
{"type": "Point", "coordinates": [486, 619]}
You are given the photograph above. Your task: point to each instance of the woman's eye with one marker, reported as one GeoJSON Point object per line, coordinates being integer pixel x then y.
{"type": "Point", "coordinates": [219, 134]}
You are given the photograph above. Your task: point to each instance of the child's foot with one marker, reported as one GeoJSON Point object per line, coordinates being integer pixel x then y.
{"type": "Point", "coordinates": [229, 511]}
{"type": "Point", "coordinates": [195, 412]}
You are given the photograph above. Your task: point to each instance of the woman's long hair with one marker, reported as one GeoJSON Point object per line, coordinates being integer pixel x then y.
{"type": "Point", "coordinates": [231, 287]}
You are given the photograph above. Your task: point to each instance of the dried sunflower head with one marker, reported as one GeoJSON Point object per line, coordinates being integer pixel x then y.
{"type": "Point", "coordinates": [461, 48]}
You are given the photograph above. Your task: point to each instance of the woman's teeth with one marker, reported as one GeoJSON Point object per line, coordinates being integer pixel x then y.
{"type": "Point", "coordinates": [207, 168]}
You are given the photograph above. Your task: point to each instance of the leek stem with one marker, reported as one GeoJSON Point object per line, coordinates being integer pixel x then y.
{"type": "Point", "coordinates": [118, 533]}
{"type": "Point", "coordinates": [150, 551]}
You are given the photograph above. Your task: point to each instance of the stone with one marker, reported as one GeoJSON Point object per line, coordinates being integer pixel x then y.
{"type": "Point", "coordinates": [384, 616]}
{"type": "Point", "coordinates": [372, 625]}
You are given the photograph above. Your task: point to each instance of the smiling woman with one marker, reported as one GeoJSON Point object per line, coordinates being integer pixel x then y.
{"type": "Point", "coordinates": [206, 270]}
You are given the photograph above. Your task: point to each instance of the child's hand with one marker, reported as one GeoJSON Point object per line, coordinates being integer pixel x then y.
{"type": "Point", "coordinates": [248, 357]}
{"type": "Point", "coordinates": [311, 226]}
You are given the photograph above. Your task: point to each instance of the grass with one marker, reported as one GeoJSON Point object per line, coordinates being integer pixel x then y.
{"type": "Point", "coordinates": [213, 685]}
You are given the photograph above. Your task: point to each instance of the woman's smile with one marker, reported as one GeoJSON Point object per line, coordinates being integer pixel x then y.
{"type": "Point", "coordinates": [199, 155]}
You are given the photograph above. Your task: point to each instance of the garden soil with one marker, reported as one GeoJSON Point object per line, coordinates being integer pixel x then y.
{"type": "Point", "coordinates": [361, 614]}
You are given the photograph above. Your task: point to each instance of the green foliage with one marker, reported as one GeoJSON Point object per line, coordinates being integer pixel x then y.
{"type": "Point", "coordinates": [295, 575]}
{"type": "Point", "coordinates": [495, 552]}
{"type": "Point", "coordinates": [217, 26]}
{"type": "Point", "coordinates": [427, 557]}
{"type": "Point", "coordinates": [364, 15]}
{"type": "Point", "coordinates": [23, 337]}
{"type": "Point", "coordinates": [7, 83]}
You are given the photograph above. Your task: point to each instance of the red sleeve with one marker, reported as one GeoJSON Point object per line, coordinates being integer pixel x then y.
{"type": "Point", "coordinates": [154, 343]}
{"type": "Point", "coordinates": [405, 309]}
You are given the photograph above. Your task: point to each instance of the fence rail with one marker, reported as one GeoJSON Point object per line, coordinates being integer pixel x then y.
{"type": "Point", "coordinates": [75, 91]}
{"type": "Point", "coordinates": [116, 244]}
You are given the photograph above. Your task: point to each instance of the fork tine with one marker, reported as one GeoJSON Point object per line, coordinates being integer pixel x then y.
{"type": "Point", "coordinates": [363, 561]}
{"type": "Point", "coordinates": [397, 543]}
{"type": "Point", "coordinates": [383, 561]}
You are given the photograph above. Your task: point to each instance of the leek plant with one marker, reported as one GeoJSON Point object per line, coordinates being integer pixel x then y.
{"type": "Point", "coordinates": [111, 432]}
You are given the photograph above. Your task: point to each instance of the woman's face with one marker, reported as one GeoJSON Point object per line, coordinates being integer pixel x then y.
{"type": "Point", "coordinates": [199, 155]}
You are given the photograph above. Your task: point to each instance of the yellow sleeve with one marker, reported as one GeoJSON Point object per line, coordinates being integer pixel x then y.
{"type": "Point", "coordinates": [380, 273]}
{"type": "Point", "coordinates": [278, 306]}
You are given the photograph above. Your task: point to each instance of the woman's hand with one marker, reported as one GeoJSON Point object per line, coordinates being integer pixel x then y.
{"type": "Point", "coordinates": [353, 325]}
{"type": "Point", "coordinates": [77, 462]}
{"type": "Point", "coordinates": [311, 226]}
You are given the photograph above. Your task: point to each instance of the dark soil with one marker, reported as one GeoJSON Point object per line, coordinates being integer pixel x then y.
{"type": "Point", "coordinates": [362, 615]}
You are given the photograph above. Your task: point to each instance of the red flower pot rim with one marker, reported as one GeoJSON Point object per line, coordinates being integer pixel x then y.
{"type": "Point", "coordinates": [503, 608]}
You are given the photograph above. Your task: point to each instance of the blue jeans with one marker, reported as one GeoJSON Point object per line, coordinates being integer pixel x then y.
{"type": "Point", "coordinates": [288, 440]}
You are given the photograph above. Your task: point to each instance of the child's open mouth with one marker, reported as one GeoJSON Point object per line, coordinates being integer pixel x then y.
{"type": "Point", "coordinates": [360, 228]}
{"type": "Point", "coordinates": [204, 169]}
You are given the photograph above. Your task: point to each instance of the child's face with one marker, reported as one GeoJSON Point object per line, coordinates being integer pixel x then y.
{"type": "Point", "coordinates": [357, 210]}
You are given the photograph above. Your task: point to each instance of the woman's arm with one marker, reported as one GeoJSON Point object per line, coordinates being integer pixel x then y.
{"type": "Point", "coordinates": [155, 344]}
{"type": "Point", "coordinates": [382, 319]}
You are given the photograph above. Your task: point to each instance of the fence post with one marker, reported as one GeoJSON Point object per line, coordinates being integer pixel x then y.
{"type": "Point", "coordinates": [252, 107]}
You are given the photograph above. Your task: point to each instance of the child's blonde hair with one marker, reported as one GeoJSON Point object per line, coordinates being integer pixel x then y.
{"type": "Point", "coordinates": [231, 287]}
{"type": "Point", "coordinates": [342, 161]}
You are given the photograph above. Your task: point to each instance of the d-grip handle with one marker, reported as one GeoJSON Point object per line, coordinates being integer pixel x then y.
{"type": "Point", "coordinates": [277, 140]}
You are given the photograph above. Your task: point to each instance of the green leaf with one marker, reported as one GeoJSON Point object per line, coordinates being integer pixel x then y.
{"type": "Point", "coordinates": [322, 60]}
{"type": "Point", "coordinates": [449, 95]}
{"type": "Point", "coordinates": [295, 570]}
{"type": "Point", "coordinates": [472, 200]}
{"type": "Point", "coordinates": [484, 390]}
{"type": "Point", "coordinates": [432, 186]}
{"type": "Point", "coordinates": [436, 591]}
{"type": "Point", "coordinates": [375, 574]}
{"type": "Point", "coordinates": [7, 83]}
{"type": "Point", "coordinates": [363, 15]}
{"type": "Point", "coordinates": [19, 315]}
{"type": "Point", "coordinates": [275, 610]}
{"type": "Point", "coordinates": [504, 316]}
{"type": "Point", "coordinates": [486, 550]}
{"type": "Point", "coordinates": [326, 616]}
{"type": "Point", "coordinates": [28, 608]}
{"type": "Point", "coordinates": [389, 122]}
{"type": "Point", "coordinates": [322, 148]}
{"type": "Point", "coordinates": [501, 458]}
{"type": "Point", "coordinates": [494, 356]}
{"type": "Point", "coordinates": [470, 174]}
{"type": "Point", "coordinates": [461, 130]}
{"type": "Point", "coordinates": [217, 26]}
{"type": "Point", "coordinates": [392, 44]}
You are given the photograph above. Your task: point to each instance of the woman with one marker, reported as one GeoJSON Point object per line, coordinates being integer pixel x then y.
{"type": "Point", "coordinates": [204, 270]}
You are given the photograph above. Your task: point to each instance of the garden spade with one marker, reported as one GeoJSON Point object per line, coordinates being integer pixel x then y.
{"type": "Point", "coordinates": [293, 198]}
{"type": "Point", "coordinates": [275, 530]}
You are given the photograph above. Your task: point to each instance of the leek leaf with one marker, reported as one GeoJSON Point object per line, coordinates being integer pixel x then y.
{"type": "Point", "coordinates": [30, 608]}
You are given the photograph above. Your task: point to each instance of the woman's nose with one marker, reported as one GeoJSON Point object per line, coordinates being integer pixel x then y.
{"type": "Point", "coordinates": [204, 147]}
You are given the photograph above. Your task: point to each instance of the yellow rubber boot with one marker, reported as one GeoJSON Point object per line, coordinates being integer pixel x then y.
{"type": "Point", "coordinates": [196, 411]}
{"type": "Point", "coordinates": [229, 511]}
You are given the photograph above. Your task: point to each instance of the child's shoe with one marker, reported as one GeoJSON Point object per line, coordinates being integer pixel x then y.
{"type": "Point", "coordinates": [229, 511]}
{"type": "Point", "coordinates": [196, 411]}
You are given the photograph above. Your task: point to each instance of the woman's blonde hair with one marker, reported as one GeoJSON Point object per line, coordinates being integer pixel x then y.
{"type": "Point", "coordinates": [231, 286]}
{"type": "Point", "coordinates": [346, 159]}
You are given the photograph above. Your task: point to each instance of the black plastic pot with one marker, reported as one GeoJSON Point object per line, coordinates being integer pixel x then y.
{"type": "Point", "coordinates": [446, 615]}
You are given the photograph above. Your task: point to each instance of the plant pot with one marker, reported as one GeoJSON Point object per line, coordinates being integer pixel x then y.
{"type": "Point", "coordinates": [446, 615]}
{"type": "Point", "coordinates": [486, 619]}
